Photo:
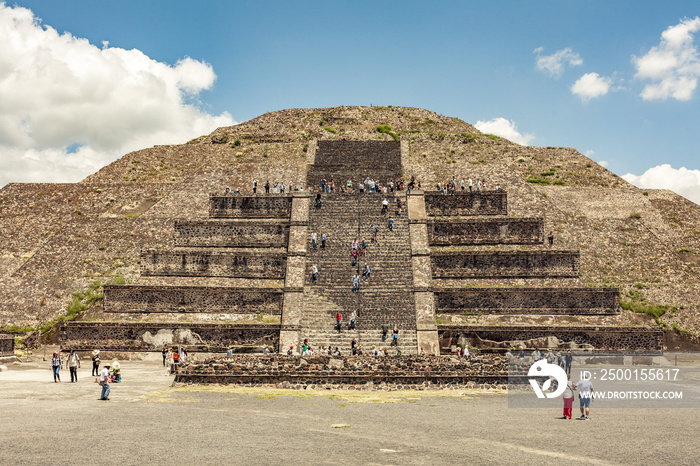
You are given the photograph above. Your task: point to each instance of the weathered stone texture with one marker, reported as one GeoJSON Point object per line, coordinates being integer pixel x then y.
{"type": "Point", "coordinates": [213, 264]}
{"type": "Point", "coordinates": [7, 345]}
{"type": "Point", "coordinates": [135, 298]}
{"type": "Point", "coordinates": [255, 206]}
{"type": "Point", "coordinates": [571, 301]}
{"type": "Point", "coordinates": [414, 372]}
{"type": "Point", "coordinates": [496, 264]}
{"type": "Point", "coordinates": [141, 336]}
{"type": "Point", "coordinates": [467, 203]}
{"type": "Point", "coordinates": [601, 338]}
{"type": "Point", "coordinates": [230, 234]}
{"type": "Point", "coordinates": [486, 231]}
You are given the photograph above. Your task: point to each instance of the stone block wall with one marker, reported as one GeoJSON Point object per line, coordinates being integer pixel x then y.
{"type": "Point", "coordinates": [137, 298]}
{"type": "Point", "coordinates": [250, 206]}
{"type": "Point", "coordinates": [212, 233]}
{"type": "Point", "coordinates": [570, 301]}
{"type": "Point", "coordinates": [359, 372]}
{"type": "Point", "coordinates": [361, 154]}
{"type": "Point", "coordinates": [121, 336]}
{"type": "Point", "coordinates": [601, 338]}
{"type": "Point", "coordinates": [467, 203]}
{"type": "Point", "coordinates": [508, 264]}
{"type": "Point", "coordinates": [7, 345]}
{"type": "Point", "coordinates": [241, 264]}
{"type": "Point", "coordinates": [486, 231]}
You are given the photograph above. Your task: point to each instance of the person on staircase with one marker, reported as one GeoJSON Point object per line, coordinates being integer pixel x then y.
{"type": "Point", "coordinates": [385, 330]}
{"type": "Point", "coordinates": [355, 283]}
{"type": "Point", "coordinates": [385, 206]}
{"type": "Point", "coordinates": [391, 223]}
{"type": "Point", "coordinates": [395, 337]}
{"type": "Point", "coordinates": [353, 347]}
{"type": "Point", "coordinates": [366, 272]}
{"type": "Point", "coordinates": [314, 273]}
{"type": "Point", "coordinates": [353, 318]}
{"type": "Point", "coordinates": [363, 248]}
{"type": "Point", "coordinates": [355, 254]}
{"type": "Point", "coordinates": [323, 241]}
{"type": "Point", "coordinates": [398, 206]}
{"type": "Point", "coordinates": [318, 200]}
{"type": "Point", "coordinates": [338, 322]}
{"type": "Point", "coordinates": [375, 230]}
{"type": "Point", "coordinates": [313, 240]}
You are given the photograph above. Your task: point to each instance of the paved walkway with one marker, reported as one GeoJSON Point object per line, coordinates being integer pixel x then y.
{"type": "Point", "coordinates": [148, 421]}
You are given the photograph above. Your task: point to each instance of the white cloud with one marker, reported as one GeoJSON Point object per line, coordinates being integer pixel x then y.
{"type": "Point", "coordinates": [603, 163]}
{"type": "Point", "coordinates": [682, 180]}
{"type": "Point", "coordinates": [505, 129]}
{"type": "Point", "coordinates": [553, 65]}
{"type": "Point", "coordinates": [68, 107]}
{"type": "Point", "coordinates": [590, 86]}
{"type": "Point", "coordinates": [589, 153]}
{"type": "Point", "coordinates": [673, 66]}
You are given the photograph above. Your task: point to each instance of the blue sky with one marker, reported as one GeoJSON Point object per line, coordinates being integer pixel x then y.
{"type": "Point", "coordinates": [593, 75]}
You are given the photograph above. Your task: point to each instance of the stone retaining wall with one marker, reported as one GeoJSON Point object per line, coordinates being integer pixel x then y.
{"type": "Point", "coordinates": [601, 338]}
{"type": "Point", "coordinates": [137, 298]}
{"type": "Point", "coordinates": [355, 372]}
{"type": "Point", "coordinates": [250, 206]}
{"type": "Point", "coordinates": [213, 264]}
{"type": "Point", "coordinates": [230, 234]}
{"type": "Point", "coordinates": [569, 301]}
{"type": "Point", "coordinates": [143, 336]}
{"type": "Point", "coordinates": [467, 203]}
{"type": "Point", "coordinates": [508, 264]}
{"type": "Point", "coordinates": [486, 231]}
{"type": "Point", "coordinates": [359, 154]}
{"type": "Point", "coordinates": [7, 345]}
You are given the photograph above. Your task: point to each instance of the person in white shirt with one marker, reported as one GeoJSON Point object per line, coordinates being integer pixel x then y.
{"type": "Point", "coordinates": [104, 381]}
{"type": "Point", "coordinates": [585, 393]}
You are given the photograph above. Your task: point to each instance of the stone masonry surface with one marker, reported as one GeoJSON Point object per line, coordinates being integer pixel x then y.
{"type": "Point", "coordinates": [466, 203]}
{"type": "Point", "coordinates": [213, 264]}
{"type": "Point", "coordinates": [138, 298]}
{"type": "Point", "coordinates": [250, 206]}
{"type": "Point", "coordinates": [402, 372]}
{"type": "Point", "coordinates": [601, 338]}
{"type": "Point", "coordinates": [7, 345]}
{"type": "Point", "coordinates": [486, 231]}
{"type": "Point", "coordinates": [138, 336]}
{"type": "Point", "coordinates": [230, 234]}
{"type": "Point", "coordinates": [496, 264]}
{"type": "Point", "coordinates": [528, 301]}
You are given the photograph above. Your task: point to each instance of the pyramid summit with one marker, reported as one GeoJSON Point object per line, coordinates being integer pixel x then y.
{"type": "Point", "coordinates": [153, 249]}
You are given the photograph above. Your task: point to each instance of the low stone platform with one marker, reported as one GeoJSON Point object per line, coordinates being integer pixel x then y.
{"type": "Point", "coordinates": [601, 338]}
{"type": "Point", "coordinates": [7, 345]}
{"type": "Point", "coordinates": [147, 336]}
{"type": "Point", "coordinates": [360, 372]}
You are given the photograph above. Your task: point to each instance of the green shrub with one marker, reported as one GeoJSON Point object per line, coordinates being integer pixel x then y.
{"type": "Point", "coordinates": [537, 180]}
{"type": "Point", "coordinates": [549, 172]}
{"type": "Point", "coordinates": [386, 129]}
{"type": "Point", "coordinates": [559, 183]}
{"type": "Point", "coordinates": [330, 130]}
{"type": "Point", "coordinates": [635, 215]}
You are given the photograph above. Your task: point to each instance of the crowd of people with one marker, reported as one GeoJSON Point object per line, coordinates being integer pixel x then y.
{"type": "Point", "coordinates": [452, 186]}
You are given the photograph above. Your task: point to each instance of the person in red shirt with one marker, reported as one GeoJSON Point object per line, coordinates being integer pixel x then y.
{"type": "Point", "coordinates": [338, 322]}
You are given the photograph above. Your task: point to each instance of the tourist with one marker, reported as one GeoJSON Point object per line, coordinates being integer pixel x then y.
{"type": "Point", "coordinates": [314, 273]}
{"type": "Point", "coordinates": [395, 337]}
{"type": "Point", "coordinates": [585, 393]}
{"type": "Point", "coordinates": [355, 254]}
{"type": "Point", "coordinates": [568, 359]}
{"type": "Point", "coordinates": [318, 200]}
{"type": "Point", "coordinates": [56, 363]}
{"type": "Point", "coordinates": [536, 355]}
{"type": "Point", "coordinates": [73, 364]}
{"type": "Point", "coordinates": [255, 186]}
{"type": "Point", "coordinates": [461, 184]}
{"type": "Point", "coordinates": [521, 353]}
{"type": "Point", "coordinates": [353, 317]}
{"type": "Point", "coordinates": [398, 206]}
{"type": "Point", "coordinates": [229, 352]}
{"type": "Point", "coordinates": [465, 351]}
{"type": "Point", "coordinates": [267, 187]}
{"type": "Point", "coordinates": [362, 187]}
{"type": "Point", "coordinates": [349, 185]}
{"type": "Point", "coordinates": [385, 330]}
{"type": "Point", "coordinates": [374, 234]}
{"type": "Point", "coordinates": [355, 244]}
{"type": "Point", "coordinates": [385, 206]}
{"type": "Point", "coordinates": [183, 354]}
{"type": "Point", "coordinates": [338, 321]}
{"type": "Point", "coordinates": [176, 360]}
{"type": "Point", "coordinates": [363, 248]}
{"type": "Point", "coordinates": [95, 363]}
{"type": "Point", "coordinates": [470, 184]}
{"type": "Point", "coordinates": [265, 350]}
{"type": "Point", "coordinates": [550, 239]}
{"type": "Point", "coordinates": [509, 355]}
{"type": "Point", "coordinates": [227, 191]}
{"type": "Point", "coordinates": [560, 361]}
{"type": "Point", "coordinates": [165, 353]}
{"type": "Point", "coordinates": [355, 283]}
{"type": "Point", "coordinates": [290, 350]}
{"type": "Point", "coordinates": [353, 347]}
{"type": "Point", "coordinates": [323, 185]}
{"type": "Point", "coordinates": [391, 223]}
{"type": "Point", "coordinates": [323, 241]}
{"type": "Point", "coordinates": [337, 352]}
{"type": "Point", "coordinates": [568, 397]}
{"type": "Point", "coordinates": [313, 240]}
{"type": "Point", "coordinates": [374, 351]}
{"type": "Point", "coordinates": [104, 382]}
{"type": "Point", "coordinates": [366, 272]}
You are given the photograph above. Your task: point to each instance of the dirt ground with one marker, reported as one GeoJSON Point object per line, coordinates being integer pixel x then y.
{"type": "Point", "coordinates": [147, 421]}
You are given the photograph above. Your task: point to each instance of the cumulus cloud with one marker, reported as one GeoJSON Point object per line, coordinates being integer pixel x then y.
{"type": "Point", "coordinates": [603, 163]}
{"type": "Point", "coordinates": [505, 129]}
{"type": "Point", "coordinates": [682, 180]}
{"type": "Point", "coordinates": [68, 107]}
{"type": "Point", "coordinates": [673, 66]}
{"type": "Point", "coordinates": [590, 86]}
{"type": "Point", "coordinates": [553, 65]}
